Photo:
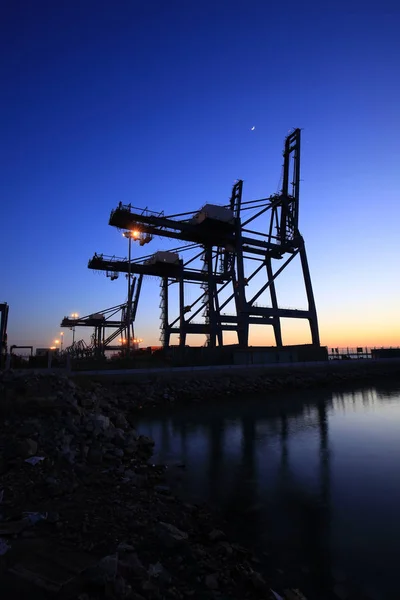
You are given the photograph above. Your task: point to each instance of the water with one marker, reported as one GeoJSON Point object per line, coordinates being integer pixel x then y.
{"type": "Point", "coordinates": [312, 475]}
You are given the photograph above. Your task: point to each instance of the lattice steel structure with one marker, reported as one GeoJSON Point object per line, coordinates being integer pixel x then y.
{"type": "Point", "coordinates": [116, 319]}
{"type": "Point", "coordinates": [221, 239]}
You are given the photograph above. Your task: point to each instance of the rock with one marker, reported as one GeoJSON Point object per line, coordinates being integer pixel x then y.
{"type": "Point", "coordinates": [71, 426]}
{"type": "Point", "coordinates": [259, 582]}
{"type": "Point", "coordinates": [28, 448]}
{"type": "Point", "coordinates": [109, 456]}
{"type": "Point", "coordinates": [157, 571]}
{"type": "Point", "coordinates": [211, 581]}
{"type": "Point", "coordinates": [105, 571]}
{"type": "Point", "coordinates": [101, 422]}
{"type": "Point", "coordinates": [124, 547]}
{"type": "Point", "coordinates": [129, 564]}
{"type": "Point", "coordinates": [171, 535]}
{"type": "Point", "coordinates": [145, 442]}
{"type": "Point", "coordinates": [228, 550]}
{"type": "Point", "coordinates": [121, 588]}
{"type": "Point", "coordinates": [29, 428]}
{"type": "Point", "coordinates": [162, 489]}
{"type": "Point", "coordinates": [53, 517]}
{"type": "Point", "coordinates": [95, 454]}
{"type": "Point", "coordinates": [216, 535]}
{"type": "Point", "coordinates": [151, 588]}
{"type": "Point", "coordinates": [86, 401]}
{"type": "Point", "coordinates": [119, 438]}
{"type": "Point", "coordinates": [51, 480]}
{"type": "Point", "coordinates": [120, 421]}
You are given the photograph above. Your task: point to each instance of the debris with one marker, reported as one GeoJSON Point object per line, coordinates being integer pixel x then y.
{"type": "Point", "coordinates": [34, 460]}
{"type": "Point", "coordinates": [35, 517]}
{"type": "Point", "coordinates": [155, 570]}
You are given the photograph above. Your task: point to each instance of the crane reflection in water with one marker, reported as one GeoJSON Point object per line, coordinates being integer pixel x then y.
{"type": "Point", "coordinates": [305, 477]}
{"type": "Point", "coordinates": [240, 460]}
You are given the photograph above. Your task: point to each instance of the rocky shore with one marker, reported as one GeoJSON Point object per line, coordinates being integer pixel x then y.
{"type": "Point", "coordinates": [84, 513]}
{"type": "Point", "coordinates": [155, 389]}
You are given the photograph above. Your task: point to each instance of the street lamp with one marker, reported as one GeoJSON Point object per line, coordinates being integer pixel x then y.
{"type": "Point", "coordinates": [56, 343]}
{"type": "Point", "coordinates": [130, 235]}
{"type": "Point", "coordinates": [74, 316]}
{"type": "Point", "coordinates": [62, 339]}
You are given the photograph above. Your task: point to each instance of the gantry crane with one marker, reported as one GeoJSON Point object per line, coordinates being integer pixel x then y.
{"type": "Point", "coordinates": [114, 318]}
{"type": "Point", "coordinates": [221, 238]}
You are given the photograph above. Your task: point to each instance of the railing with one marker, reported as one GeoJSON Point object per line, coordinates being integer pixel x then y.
{"type": "Point", "coordinates": [355, 352]}
{"type": "Point", "coordinates": [140, 211]}
{"type": "Point", "coordinates": [107, 258]}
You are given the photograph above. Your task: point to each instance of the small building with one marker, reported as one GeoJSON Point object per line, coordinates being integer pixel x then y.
{"type": "Point", "coordinates": [97, 317]}
{"type": "Point", "coordinates": [45, 351]}
{"type": "Point", "coordinates": [170, 258]}
{"type": "Point", "coordinates": [213, 212]}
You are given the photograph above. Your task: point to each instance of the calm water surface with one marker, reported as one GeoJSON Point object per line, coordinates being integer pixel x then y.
{"type": "Point", "coordinates": [314, 475]}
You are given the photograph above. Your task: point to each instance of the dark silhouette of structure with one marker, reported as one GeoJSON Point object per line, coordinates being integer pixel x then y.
{"type": "Point", "coordinates": [114, 319]}
{"type": "Point", "coordinates": [225, 249]}
{"type": "Point", "coordinates": [3, 330]}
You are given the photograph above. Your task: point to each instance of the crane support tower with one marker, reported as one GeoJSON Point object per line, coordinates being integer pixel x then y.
{"type": "Point", "coordinates": [223, 250]}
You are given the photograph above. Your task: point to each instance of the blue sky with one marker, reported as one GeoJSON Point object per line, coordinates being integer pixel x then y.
{"type": "Point", "coordinates": [153, 103]}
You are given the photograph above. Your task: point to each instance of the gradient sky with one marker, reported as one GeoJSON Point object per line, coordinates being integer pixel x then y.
{"type": "Point", "coordinates": [152, 103]}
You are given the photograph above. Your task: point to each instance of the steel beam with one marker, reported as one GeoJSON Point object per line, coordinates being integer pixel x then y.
{"type": "Point", "coordinates": [98, 263]}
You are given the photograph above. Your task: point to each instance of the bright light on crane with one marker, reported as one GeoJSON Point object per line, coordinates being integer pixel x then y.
{"type": "Point", "coordinates": [132, 234]}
